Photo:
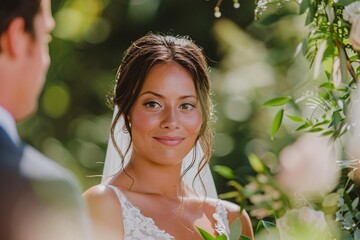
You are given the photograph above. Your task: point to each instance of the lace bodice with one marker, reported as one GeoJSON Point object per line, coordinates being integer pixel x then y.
{"type": "Point", "coordinates": [139, 227]}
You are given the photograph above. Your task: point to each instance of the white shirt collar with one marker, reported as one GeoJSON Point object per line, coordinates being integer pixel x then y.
{"type": "Point", "coordinates": [7, 122]}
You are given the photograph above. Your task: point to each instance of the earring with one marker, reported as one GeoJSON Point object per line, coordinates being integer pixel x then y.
{"type": "Point", "coordinates": [124, 129]}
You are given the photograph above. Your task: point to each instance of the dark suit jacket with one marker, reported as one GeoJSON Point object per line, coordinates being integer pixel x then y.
{"type": "Point", "coordinates": [38, 198]}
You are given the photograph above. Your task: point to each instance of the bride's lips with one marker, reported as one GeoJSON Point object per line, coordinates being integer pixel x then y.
{"type": "Point", "coordinates": [169, 141]}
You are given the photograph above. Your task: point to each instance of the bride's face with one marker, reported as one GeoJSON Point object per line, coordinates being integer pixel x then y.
{"type": "Point", "coordinates": [166, 117]}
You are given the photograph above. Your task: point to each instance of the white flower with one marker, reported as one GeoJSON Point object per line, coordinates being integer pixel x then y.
{"type": "Point", "coordinates": [303, 223]}
{"type": "Point", "coordinates": [352, 149]}
{"type": "Point", "coordinates": [354, 36]}
{"type": "Point", "coordinates": [308, 167]}
{"type": "Point", "coordinates": [351, 10]}
{"type": "Point", "coordinates": [330, 13]}
{"type": "Point", "coordinates": [336, 72]}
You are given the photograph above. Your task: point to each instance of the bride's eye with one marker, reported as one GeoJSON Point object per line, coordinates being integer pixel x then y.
{"type": "Point", "coordinates": [187, 106]}
{"type": "Point", "coordinates": [152, 104]}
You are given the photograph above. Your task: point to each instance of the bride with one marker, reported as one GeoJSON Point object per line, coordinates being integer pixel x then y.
{"type": "Point", "coordinates": [161, 145]}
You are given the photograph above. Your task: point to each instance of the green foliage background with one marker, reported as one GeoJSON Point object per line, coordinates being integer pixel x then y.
{"type": "Point", "coordinates": [249, 65]}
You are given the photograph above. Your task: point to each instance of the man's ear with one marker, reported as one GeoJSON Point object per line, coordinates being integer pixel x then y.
{"type": "Point", "coordinates": [14, 40]}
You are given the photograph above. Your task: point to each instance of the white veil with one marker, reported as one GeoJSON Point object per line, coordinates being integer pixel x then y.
{"type": "Point", "coordinates": [113, 164]}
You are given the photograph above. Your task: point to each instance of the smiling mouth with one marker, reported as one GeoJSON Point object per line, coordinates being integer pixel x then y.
{"type": "Point", "coordinates": [169, 141]}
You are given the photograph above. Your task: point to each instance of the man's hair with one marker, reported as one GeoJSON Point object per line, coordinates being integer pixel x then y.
{"type": "Point", "coordinates": [10, 9]}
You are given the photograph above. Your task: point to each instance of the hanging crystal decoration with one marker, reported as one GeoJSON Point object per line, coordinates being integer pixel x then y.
{"type": "Point", "coordinates": [217, 12]}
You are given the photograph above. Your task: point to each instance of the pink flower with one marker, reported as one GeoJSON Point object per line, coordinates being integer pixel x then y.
{"type": "Point", "coordinates": [354, 36]}
{"type": "Point", "coordinates": [308, 167]}
{"type": "Point", "coordinates": [352, 14]}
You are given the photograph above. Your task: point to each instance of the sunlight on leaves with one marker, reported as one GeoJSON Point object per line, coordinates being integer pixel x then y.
{"type": "Point", "coordinates": [224, 171]}
{"type": "Point", "coordinates": [277, 122]}
{"type": "Point", "coordinates": [279, 101]}
{"type": "Point", "coordinates": [256, 163]}
{"type": "Point", "coordinates": [207, 236]}
{"type": "Point", "coordinates": [295, 118]}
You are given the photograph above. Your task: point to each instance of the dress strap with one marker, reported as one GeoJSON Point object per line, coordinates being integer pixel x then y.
{"type": "Point", "coordinates": [222, 222]}
{"type": "Point", "coordinates": [136, 225]}
{"type": "Point", "coordinates": [119, 194]}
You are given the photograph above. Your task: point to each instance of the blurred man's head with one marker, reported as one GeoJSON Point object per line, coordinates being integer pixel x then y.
{"type": "Point", "coordinates": [25, 27]}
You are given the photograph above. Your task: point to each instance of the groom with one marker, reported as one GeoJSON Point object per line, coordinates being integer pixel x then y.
{"type": "Point", "coordinates": [38, 198]}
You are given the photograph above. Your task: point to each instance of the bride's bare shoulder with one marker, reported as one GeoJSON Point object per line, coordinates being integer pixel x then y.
{"type": "Point", "coordinates": [99, 192]}
{"type": "Point", "coordinates": [101, 199]}
{"type": "Point", "coordinates": [103, 202]}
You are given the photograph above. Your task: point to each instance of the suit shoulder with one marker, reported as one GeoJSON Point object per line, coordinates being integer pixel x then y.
{"type": "Point", "coordinates": [35, 165]}
{"type": "Point", "coordinates": [10, 154]}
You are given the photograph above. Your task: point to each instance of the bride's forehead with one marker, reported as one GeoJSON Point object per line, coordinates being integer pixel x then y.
{"type": "Point", "coordinates": [169, 75]}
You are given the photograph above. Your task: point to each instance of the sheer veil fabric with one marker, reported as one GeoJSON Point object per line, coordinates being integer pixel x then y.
{"type": "Point", "coordinates": [113, 165]}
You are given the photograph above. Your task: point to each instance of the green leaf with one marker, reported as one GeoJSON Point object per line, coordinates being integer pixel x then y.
{"type": "Point", "coordinates": [264, 225]}
{"type": "Point", "coordinates": [244, 238]}
{"type": "Point", "coordinates": [302, 127]}
{"type": "Point", "coordinates": [279, 101]}
{"type": "Point", "coordinates": [355, 203]}
{"type": "Point", "coordinates": [357, 234]}
{"type": "Point", "coordinates": [205, 235]}
{"type": "Point", "coordinates": [235, 185]}
{"type": "Point", "coordinates": [336, 120]}
{"type": "Point", "coordinates": [318, 58]}
{"type": "Point", "coordinates": [272, 17]}
{"type": "Point", "coordinates": [304, 46]}
{"type": "Point", "coordinates": [277, 122]}
{"type": "Point", "coordinates": [346, 96]}
{"type": "Point", "coordinates": [311, 15]}
{"type": "Point", "coordinates": [343, 67]}
{"type": "Point", "coordinates": [228, 195]}
{"type": "Point", "coordinates": [331, 200]}
{"type": "Point", "coordinates": [328, 85]}
{"type": "Point", "coordinates": [304, 5]}
{"type": "Point", "coordinates": [321, 123]}
{"type": "Point", "coordinates": [316, 129]}
{"type": "Point", "coordinates": [344, 2]}
{"type": "Point", "coordinates": [224, 171]}
{"type": "Point", "coordinates": [328, 59]}
{"type": "Point", "coordinates": [221, 237]}
{"type": "Point", "coordinates": [295, 118]}
{"type": "Point", "coordinates": [327, 133]}
{"type": "Point", "coordinates": [235, 230]}
{"type": "Point", "coordinates": [256, 163]}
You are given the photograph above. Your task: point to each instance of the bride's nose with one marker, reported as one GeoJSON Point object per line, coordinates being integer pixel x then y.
{"type": "Point", "coordinates": [170, 119]}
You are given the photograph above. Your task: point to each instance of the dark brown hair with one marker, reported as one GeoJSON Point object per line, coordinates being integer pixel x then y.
{"type": "Point", "coordinates": [139, 58]}
{"type": "Point", "coordinates": [10, 9]}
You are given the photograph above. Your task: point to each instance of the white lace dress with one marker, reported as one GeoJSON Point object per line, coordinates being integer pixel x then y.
{"type": "Point", "coordinates": [139, 227]}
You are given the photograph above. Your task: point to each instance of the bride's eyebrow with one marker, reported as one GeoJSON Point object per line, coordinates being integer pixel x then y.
{"type": "Point", "coordinates": [161, 96]}
{"type": "Point", "coordinates": [152, 93]}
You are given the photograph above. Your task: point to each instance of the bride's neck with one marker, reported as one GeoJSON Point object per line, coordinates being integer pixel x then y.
{"type": "Point", "coordinates": [150, 178]}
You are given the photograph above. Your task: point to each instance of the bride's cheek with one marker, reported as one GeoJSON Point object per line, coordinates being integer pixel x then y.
{"type": "Point", "coordinates": [194, 123]}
